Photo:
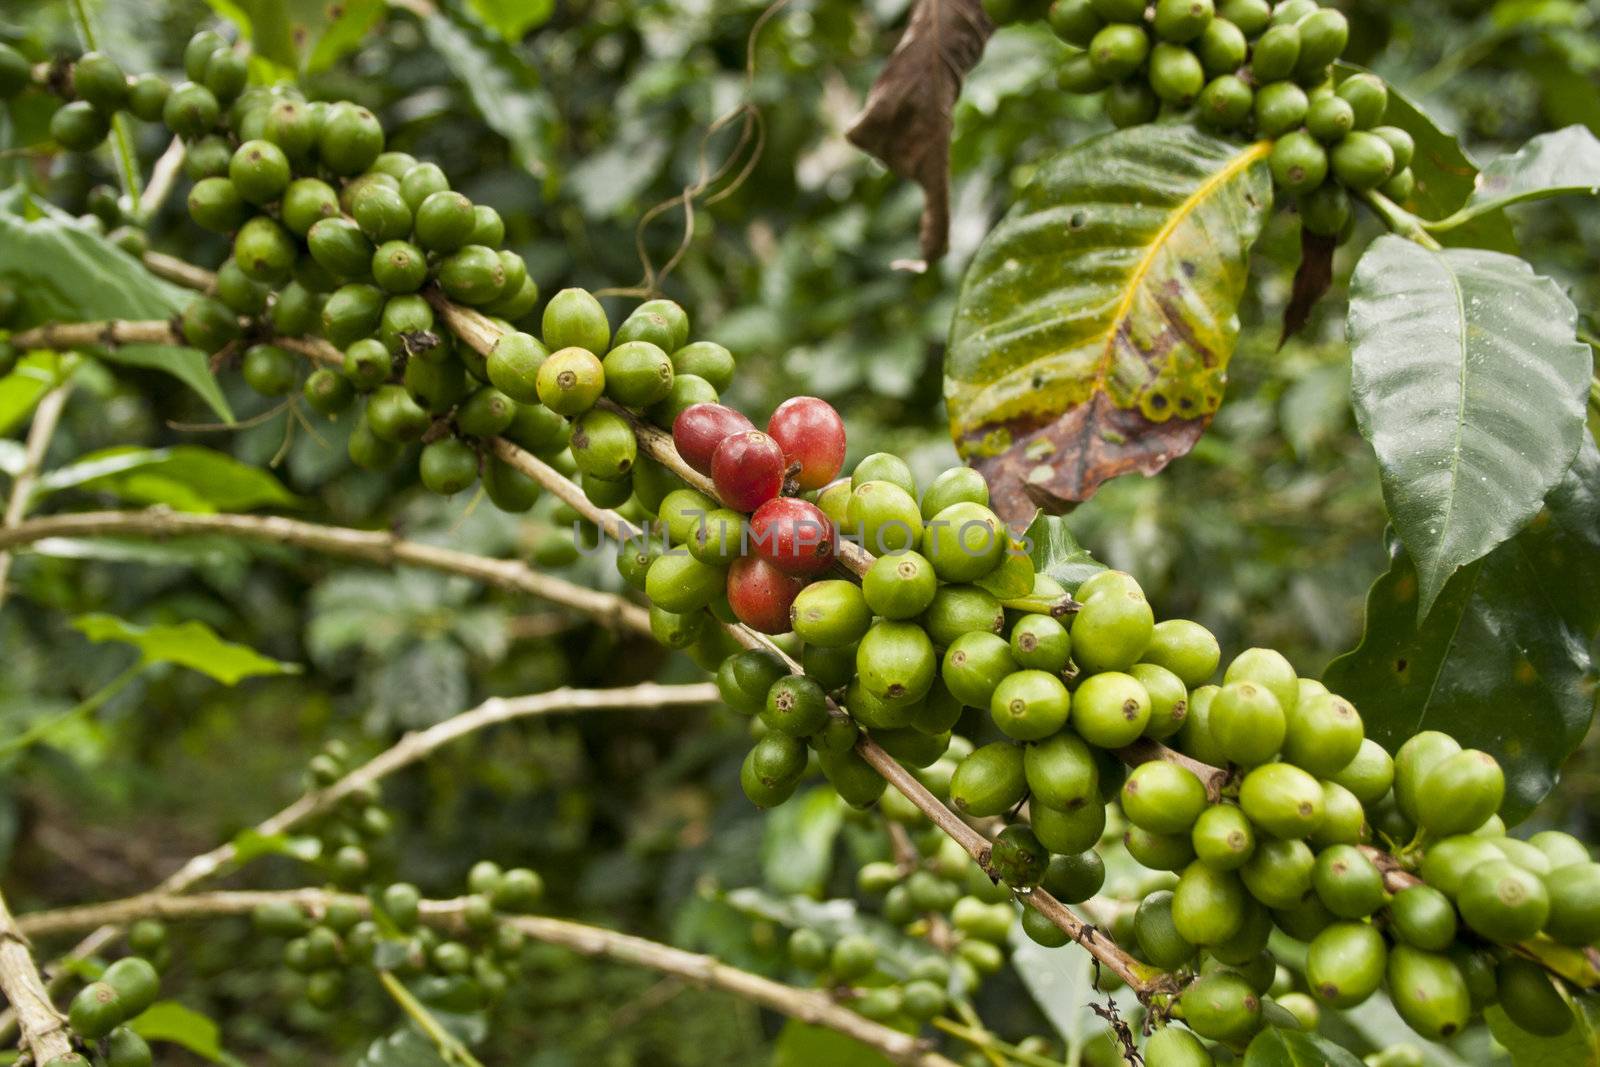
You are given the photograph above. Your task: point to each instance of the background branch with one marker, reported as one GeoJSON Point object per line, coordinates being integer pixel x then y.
{"type": "Point", "coordinates": [45, 419]}
{"type": "Point", "coordinates": [807, 1005]}
{"type": "Point", "coordinates": [43, 1029]}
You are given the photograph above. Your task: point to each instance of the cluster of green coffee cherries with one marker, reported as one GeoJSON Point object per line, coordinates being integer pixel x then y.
{"type": "Point", "coordinates": [1248, 67]}
{"type": "Point", "coordinates": [1267, 828]}
{"type": "Point", "coordinates": [334, 237]}
{"type": "Point", "coordinates": [98, 1015]}
{"type": "Point", "coordinates": [325, 947]}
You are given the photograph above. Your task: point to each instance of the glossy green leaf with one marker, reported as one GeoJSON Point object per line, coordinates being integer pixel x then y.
{"type": "Point", "coordinates": [1093, 330]}
{"type": "Point", "coordinates": [301, 35]}
{"type": "Point", "coordinates": [187, 644]}
{"type": "Point", "coordinates": [1470, 383]}
{"type": "Point", "coordinates": [1056, 552]}
{"type": "Point", "coordinates": [1579, 1045]}
{"type": "Point", "coordinates": [1273, 1047]}
{"type": "Point", "coordinates": [512, 19]}
{"type": "Point", "coordinates": [184, 477]}
{"type": "Point", "coordinates": [1562, 163]}
{"type": "Point", "coordinates": [504, 89]}
{"type": "Point", "coordinates": [802, 1045]}
{"type": "Point", "coordinates": [252, 844]}
{"type": "Point", "coordinates": [34, 375]}
{"type": "Point", "coordinates": [1502, 662]}
{"type": "Point", "coordinates": [65, 273]}
{"type": "Point", "coordinates": [797, 848]}
{"type": "Point", "coordinates": [1445, 175]}
{"type": "Point", "coordinates": [177, 1024]}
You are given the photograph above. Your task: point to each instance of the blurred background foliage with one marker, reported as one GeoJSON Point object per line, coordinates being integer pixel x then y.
{"type": "Point", "coordinates": [574, 119]}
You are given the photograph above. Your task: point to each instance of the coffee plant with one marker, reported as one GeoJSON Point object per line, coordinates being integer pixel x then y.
{"type": "Point", "coordinates": [1184, 853]}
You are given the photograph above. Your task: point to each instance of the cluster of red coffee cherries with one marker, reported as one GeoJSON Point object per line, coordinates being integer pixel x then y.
{"type": "Point", "coordinates": [758, 474]}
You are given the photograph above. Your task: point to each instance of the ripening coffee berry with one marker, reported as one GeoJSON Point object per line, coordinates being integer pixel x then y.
{"type": "Point", "coordinates": [794, 536]}
{"type": "Point", "coordinates": [718, 537]}
{"type": "Point", "coordinates": [1158, 939]}
{"type": "Point", "coordinates": [974, 666]}
{"type": "Point", "coordinates": [761, 595]}
{"type": "Point", "coordinates": [448, 466]}
{"type": "Point", "coordinates": [830, 614]}
{"type": "Point", "coordinates": [1221, 1006]}
{"type": "Point", "coordinates": [747, 469]}
{"type": "Point", "coordinates": [1247, 723]}
{"type": "Point", "coordinates": [1061, 772]}
{"type": "Point", "coordinates": [1163, 797]}
{"type": "Point", "coordinates": [1429, 992]}
{"type": "Point", "coordinates": [350, 138]}
{"type": "Point", "coordinates": [1423, 917]}
{"type": "Point", "coordinates": [989, 781]}
{"type": "Point", "coordinates": [1278, 873]}
{"type": "Point", "coordinates": [1029, 705]}
{"type": "Point", "coordinates": [1503, 901]}
{"type": "Point", "coordinates": [705, 359]}
{"type": "Point", "coordinates": [603, 445]}
{"type": "Point", "coordinates": [796, 706]}
{"type": "Point", "coordinates": [1040, 642]}
{"type": "Point", "coordinates": [1111, 709]}
{"type": "Point", "coordinates": [1324, 733]}
{"type": "Point", "coordinates": [1118, 50]}
{"type": "Point", "coordinates": [1345, 964]}
{"type": "Point", "coordinates": [638, 374]}
{"type": "Point", "coordinates": [136, 983]}
{"type": "Point", "coordinates": [1362, 160]}
{"type": "Point", "coordinates": [811, 434]}
{"type": "Point", "coordinates": [883, 467]}
{"type": "Point", "coordinates": [885, 516]}
{"type": "Point", "coordinates": [900, 586]}
{"type": "Point", "coordinates": [1223, 837]}
{"type": "Point", "coordinates": [700, 428]}
{"type": "Point", "coordinates": [1282, 799]}
{"type": "Point", "coordinates": [964, 542]}
{"type": "Point", "coordinates": [681, 583]}
{"type": "Point", "coordinates": [570, 380]}
{"type": "Point", "coordinates": [574, 318]}
{"type": "Point", "coordinates": [95, 1011]}
{"type": "Point", "coordinates": [1460, 791]}
{"type": "Point", "coordinates": [1412, 762]}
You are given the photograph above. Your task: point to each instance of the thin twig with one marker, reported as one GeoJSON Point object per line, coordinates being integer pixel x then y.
{"type": "Point", "coordinates": [381, 548]}
{"type": "Point", "coordinates": [45, 419]}
{"type": "Point", "coordinates": [410, 749]}
{"type": "Point", "coordinates": [807, 1005]}
{"type": "Point", "coordinates": [43, 1029]}
{"type": "Point", "coordinates": [180, 272]}
{"type": "Point", "coordinates": [163, 177]}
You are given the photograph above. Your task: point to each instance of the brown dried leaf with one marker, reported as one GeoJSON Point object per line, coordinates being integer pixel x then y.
{"type": "Point", "coordinates": [907, 118]}
{"type": "Point", "coordinates": [1311, 281]}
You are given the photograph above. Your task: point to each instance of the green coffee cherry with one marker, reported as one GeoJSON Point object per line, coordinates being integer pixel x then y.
{"type": "Point", "coordinates": [990, 781]}
{"type": "Point", "coordinates": [1222, 47]}
{"type": "Point", "coordinates": [896, 662]}
{"type": "Point", "coordinates": [147, 96]}
{"type": "Point", "coordinates": [1298, 162]}
{"type": "Point", "coordinates": [1075, 21]}
{"type": "Point", "coordinates": [1173, 1046]}
{"type": "Point", "coordinates": [1163, 797]}
{"type": "Point", "coordinates": [744, 679]}
{"type": "Point", "coordinates": [1367, 96]}
{"type": "Point", "coordinates": [1503, 902]}
{"type": "Point", "coordinates": [1075, 878]}
{"type": "Point", "coordinates": [399, 266]}
{"type": "Point", "coordinates": [1531, 998]}
{"type": "Point", "coordinates": [1040, 642]}
{"type": "Point", "coordinates": [1114, 626]}
{"type": "Point", "coordinates": [1158, 938]}
{"type": "Point", "coordinates": [1067, 832]}
{"type": "Point", "coordinates": [15, 72]}
{"type": "Point", "coordinates": [852, 777]}
{"type": "Point", "coordinates": [831, 614]}
{"type": "Point", "coordinates": [1018, 859]}
{"type": "Point", "coordinates": [1118, 50]}
{"type": "Point", "coordinates": [1223, 837]}
{"type": "Point", "coordinates": [473, 275]}
{"type": "Point", "coordinates": [1251, 16]}
{"type": "Point", "coordinates": [270, 370]}
{"type": "Point", "coordinates": [603, 445]}
{"type": "Point", "coordinates": [574, 318]}
{"type": "Point", "coordinates": [570, 381]}
{"type": "Point", "coordinates": [1428, 991]}
{"type": "Point", "coordinates": [97, 78]}
{"type": "Point", "coordinates": [96, 1010]}
{"type": "Point", "coordinates": [1413, 760]}
{"type": "Point", "coordinates": [1225, 103]}
{"type": "Point", "coordinates": [883, 467]}
{"type": "Point", "coordinates": [1077, 74]}
{"type": "Point", "coordinates": [1029, 705]}
{"type": "Point", "coordinates": [1209, 905]}
{"type": "Point", "coordinates": [1282, 799]}
{"type": "Point", "coordinates": [1182, 20]}
{"type": "Point", "coordinates": [638, 374]}
{"type": "Point", "coordinates": [1110, 710]}
{"type": "Point", "coordinates": [705, 359]}
{"type": "Point", "coordinates": [964, 542]}
{"type": "Point", "coordinates": [900, 586]}
{"type": "Point", "coordinates": [1345, 964]}
{"type": "Point", "coordinates": [190, 110]}
{"type": "Point", "coordinates": [448, 466]}
{"type": "Point", "coordinates": [1275, 55]}
{"type": "Point", "coordinates": [1347, 882]}
{"type": "Point", "coordinates": [682, 583]}
{"type": "Point", "coordinates": [886, 516]}
{"type": "Point", "coordinates": [1362, 160]}
{"type": "Point", "coordinates": [974, 666]}
{"type": "Point", "coordinates": [1061, 772]}
{"type": "Point", "coordinates": [1221, 1006]}
{"type": "Point", "coordinates": [1457, 793]}
{"type": "Point", "coordinates": [1279, 872]}
{"type": "Point", "coordinates": [1176, 75]}
{"type": "Point", "coordinates": [136, 983]}
{"type": "Point", "coordinates": [350, 138]}
{"type": "Point", "coordinates": [1131, 103]}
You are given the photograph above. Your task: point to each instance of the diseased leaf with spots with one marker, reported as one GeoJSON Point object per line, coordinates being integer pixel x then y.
{"type": "Point", "coordinates": [1470, 383]}
{"type": "Point", "coordinates": [906, 120]}
{"type": "Point", "coordinates": [1093, 330]}
{"type": "Point", "coordinates": [1502, 662]}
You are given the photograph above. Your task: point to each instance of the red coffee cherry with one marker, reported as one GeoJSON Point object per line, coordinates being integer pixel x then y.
{"type": "Point", "coordinates": [761, 595]}
{"type": "Point", "coordinates": [700, 428]}
{"type": "Point", "coordinates": [747, 469]}
{"type": "Point", "coordinates": [811, 434]}
{"type": "Point", "coordinates": [793, 535]}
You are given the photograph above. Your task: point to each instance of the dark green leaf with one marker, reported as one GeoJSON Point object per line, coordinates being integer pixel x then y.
{"type": "Point", "coordinates": [33, 376]}
{"type": "Point", "coordinates": [503, 87]}
{"type": "Point", "coordinates": [1273, 1047]}
{"type": "Point", "coordinates": [800, 1045]}
{"type": "Point", "coordinates": [184, 477]}
{"type": "Point", "coordinates": [1093, 330]}
{"type": "Point", "coordinates": [1014, 576]}
{"type": "Point", "coordinates": [797, 849]}
{"type": "Point", "coordinates": [1502, 662]}
{"type": "Point", "coordinates": [170, 1021]}
{"type": "Point", "coordinates": [188, 644]}
{"type": "Point", "coordinates": [1561, 163]}
{"type": "Point", "coordinates": [1057, 553]}
{"type": "Point", "coordinates": [1470, 384]}
{"type": "Point", "coordinates": [65, 273]}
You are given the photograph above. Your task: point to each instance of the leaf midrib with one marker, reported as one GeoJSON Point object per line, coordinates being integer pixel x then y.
{"type": "Point", "coordinates": [1250, 155]}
